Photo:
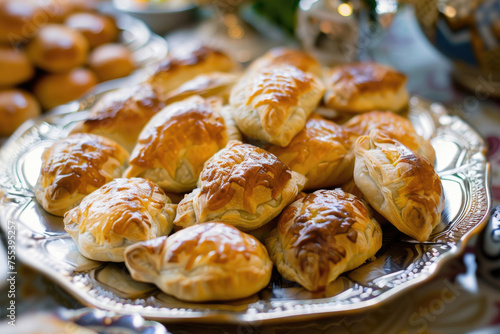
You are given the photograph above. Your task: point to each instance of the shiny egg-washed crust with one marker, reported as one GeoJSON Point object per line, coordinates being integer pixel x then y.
{"type": "Point", "coordinates": [363, 87]}
{"type": "Point", "coordinates": [396, 126]}
{"type": "Point", "coordinates": [117, 215]}
{"type": "Point", "coordinates": [321, 236]}
{"type": "Point", "coordinates": [177, 141]}
{"type": "Point", "coordinates": [205, 262]}
{"type": "Point", "coordinates": [288, 56]}
{"type": "Point", "coordinates": [122, 114]}
{"type": "Point", "coordinates": [272, 104]}
{"type": "Point", "coordinates": [241, 185]}
{"type": "Point", "coordinates": [321, 151]}
{"type": "Point", "coordinates": [401, 185]}
{"type": "Point", "coordinates": [174, 71]}
{"type": "Point", "coordinates": [205, 85]}
{"type": "Point", "coordinates": [75, 166]}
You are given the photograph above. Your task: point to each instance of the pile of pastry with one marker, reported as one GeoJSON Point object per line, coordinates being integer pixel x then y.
{"type": "Point", "coordinates": [262, 178]}
{"type": "Point", "coordinates": [56, 50]}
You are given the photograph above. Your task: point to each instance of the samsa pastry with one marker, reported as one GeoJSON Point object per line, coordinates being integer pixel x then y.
{"type": "Point", "coordinates": [122, 114]}
{"type": "Point", "coordinates": [288, 56]}
{"type": "Point", "coordinates": [363, 87]}
{"type": "Point", "coordinates": [322, 235]}
{"type": "Point", "coordinates": [401, 185]}
{"type": "Point", "coordinates": [321, 151]}
{"type": "Point", "coordinates": [177, 141]}
{"type": "Point", "coordinates": [75, 166]}
{"type": "Point", "coordinates": [117, 215]}
{"type": "Point", "coordinates": [396, 127]}
{"type": "Point", "coordinates": [205, 262]}
{"type": "Point", "coordinates": [205, 85]}
{"type": "Point", "coordinates": [241, 185]}
{"type": "Point", "coordinates": [174, 71]}
{"type": "Point", "coordinates": [272, 104]}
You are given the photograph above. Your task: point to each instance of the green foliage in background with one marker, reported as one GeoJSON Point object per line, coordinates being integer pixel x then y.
{"type": "Point", "coordinates": [282, 12]}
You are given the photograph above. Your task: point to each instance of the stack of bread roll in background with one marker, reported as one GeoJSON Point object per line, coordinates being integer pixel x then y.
{"type": "Point", "coordinates": [53, 52]}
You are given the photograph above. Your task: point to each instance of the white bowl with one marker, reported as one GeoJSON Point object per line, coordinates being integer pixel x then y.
{"type": "Point", "coordinates": [161, 18]}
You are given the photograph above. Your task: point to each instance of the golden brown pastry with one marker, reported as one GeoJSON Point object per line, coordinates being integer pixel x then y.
{"type": "Point", "coordinates": [205, 262]}
{"type": "Point", "coordinates": [122, 114]}
{"type": "Point", "coordinates": [15, 68]}
{"type": "Point", "coordinates": [396, 126]}
{"type": "Point", "coordinates": [363, 87]}
{"type": "Point", "coordinates": [111, 61]}
{"type": "Point", "coordinates": [75, 166]}
{"type": "Point", "coordinates": [321, 151]}
{"type": "Point", "coordinates": [321, 236]}
{"type": "Point", "coordinates": [288, 56]}
{"type": "Point", "coordinates": [273, 103]}
{"type": "Point", "coordinates": [98, 29]}
{"type": "Point", "coordinates": [177, 141]}
{"type": "Point", "coordinates": [57, 48]}
{"type": "Point", "coordinates": [16, 107]}
{"type": "Point", "coordinates": [401, 185]}
{"type": "Point", "coordinates": [204, 85]}
{"type": "Point", "coordinates": [18, 20]}
{"type": "Point", "coordinates": [174, 71]}
{"type": "Point", "coordinates": [117, 215]}
{"type": "Point", "coordinates": [241, 185]}
{"type": "Point", "coordinates": [53, 90]}
{"type": "Point", "coordinates": [56, 10]}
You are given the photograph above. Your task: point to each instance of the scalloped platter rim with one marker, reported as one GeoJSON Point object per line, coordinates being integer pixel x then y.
{"type": "Point", "coordinates": [400, 265]}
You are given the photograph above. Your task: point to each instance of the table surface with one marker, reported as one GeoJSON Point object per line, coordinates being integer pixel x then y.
{"type": "Point", "coordinates": [458, 300]}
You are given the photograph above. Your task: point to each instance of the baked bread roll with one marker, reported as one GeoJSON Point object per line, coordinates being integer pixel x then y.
{"type": "Point", "coordinates": [81, 5]}
{"type": "Point", "coordinates": [288, 56]}
{"type": "Point", "coordinates": [205, 262]}
{"type": "Point", "coordinates": [396, 126]}
{"type": "Point", "coordinates": [177, 141]}
{"type": "Point", "coordinates": [272, 104]}
{"type": "Point", "coordinates": [111, 61]}
{"type": "Point", "coordinates": [321, 236]}
{"type": "Point", "coordinates": [53, 90]}
{"type": "Point", "coordinates": [174, 71]}
{"type": "Point", "coordinates": [98, 29]}
{"type": "Point", "coordinates": [18, 20]}
{"type": "Point", "coordinates": [241, 185]}
{"type": "Point", "coordinates": [401, 185]}
{"type": "Point", "coordinates": [56, 10]}
{"type": "Point", "coordinates": [117, 215]}
{"type": "Point", "coordinates": [75, 166]}
{"type": "Point", "coordinates": [321, 151]}
{"type": "Point", "coordinates": [205, 85]}
{"type": "Point", "coordinates": [16, 107]}
{"type": "Point", "coordinates": [15, 68]}
{"type": "Point", "coordinates": [363, 87]}
{"type": "Point", "coordinates": [122, 114]}
{"type": "Point", "coordinates": [58, 49]}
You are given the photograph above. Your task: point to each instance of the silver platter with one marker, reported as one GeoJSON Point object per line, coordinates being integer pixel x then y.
{"type": "Point", "coordinates": [401, 264]}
